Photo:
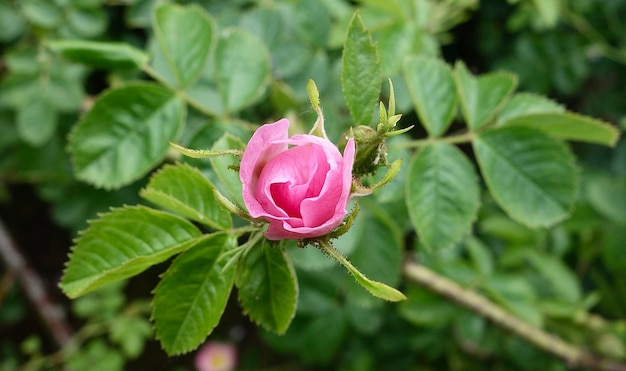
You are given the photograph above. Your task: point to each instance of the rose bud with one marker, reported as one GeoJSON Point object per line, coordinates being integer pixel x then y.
{"type": "Point", "coordinates": [300, 185]}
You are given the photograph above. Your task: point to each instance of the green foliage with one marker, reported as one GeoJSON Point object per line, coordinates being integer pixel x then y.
{"type": "Point", "coordinates": [532, 176]}
{"type": "Point", "coordinates": [190, 299]}
{"type": "Point", "coordinates": [360, 73]}
{"type": "Point", "coordinates": [442, 195]}
{"type": "Point", "coordinates": [109, 251]}
{"type": "Point", "coordinates": [538, 231]}
{"type": "Point", "coordinates": [184, 190]}
{"type": "Point", "coordinates": [267, 287]}
{"type": "Point", "coordinates": [432, 89]}
{"type": "Point", "coordinates": [125, 134]}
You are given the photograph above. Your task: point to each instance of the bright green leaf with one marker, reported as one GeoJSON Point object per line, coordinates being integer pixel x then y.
{"type": "Point", "coordinates": [123, 243]}
{"type": "Point", "coordinates": [36, 122]}
{"type": "Point", "coordinates": [184, 190]}
{"type": "Point", "coordinates": [186, 36]}
{"type": "Point", "coordinates": [242, 69]}
{"type": "Point", "coordinates": [569, 126]}
{"type": "Point", "coordinates": [442, 195]}
{"type": "Point", "coordinates": [481, 97]}
{"type": "Point", "coordinates": [481, 256]}
{"type": "Point", "coordinates": [522, 104]}
{"type": "Point", "coordinates": [192, 295]}
{"type": "Point", "coordinates": [101, 54]}
{"type": "Point", "coordinates": [532, 176]}
{"type": "Point", "coordinates": [228, 177]}
{"type": "Point", "coordinates": [125, 134]}
{"type": "Point", "coordinates": [267, 287]}
{"type": "Point", "coordinates": [360, 72]}
{"type": "Point", "coordinates": [431, 86]}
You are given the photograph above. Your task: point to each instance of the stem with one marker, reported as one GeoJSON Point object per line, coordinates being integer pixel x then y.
{"type": "Point", "coordinates": [453, 139]}
{"type": "Point", "coordinates": [51, 313]}
{"type": "Point", "coordinates": [571, 354]}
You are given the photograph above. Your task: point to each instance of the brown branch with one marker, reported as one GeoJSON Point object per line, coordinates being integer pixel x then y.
{"type": "Point", "coordinates": [572, 355]}
{"type": "Point", "coordinates": [51, 313]}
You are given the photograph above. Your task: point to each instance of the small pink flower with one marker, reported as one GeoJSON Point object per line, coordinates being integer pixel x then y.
{"type": "Point", "coordinates": [300, 185]}
{"type": "Point", "coordinates": [214, 356]}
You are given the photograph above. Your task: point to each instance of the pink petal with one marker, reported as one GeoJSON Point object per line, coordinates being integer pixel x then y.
{"type": "Point", "coordinates": [262, 147]}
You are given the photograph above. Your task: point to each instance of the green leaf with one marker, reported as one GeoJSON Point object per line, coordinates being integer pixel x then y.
{"type": "Point", "coordinates": [125, 134]}
{"type": "Point", "coordinates": [84, 23]}
{"type": "Point", "coordinates": [36, 122]}
{"type": "Point", "coordinates": [267, 287]}
{"type": "Point", "coordinates": [607, 195]}
{"type": "Point", "coordinates": [100, 54]}
{"type": "Point", "coordinates": [522, 104]}
{"type": "Point", "coordinates": [480, 256]}
{"type": "Point", "coordinates": [569, 126]}
{"type": "Point", "coordinates": [192, 295]}
{"type": "Point", "coordinates": [442, 195]}
{"type": "Point", "coordinates": [222, 167]}
{"type": "Point", "coordinates": [424, 308]}
{"type": "Point", "coordinates": [184, 190]}
{"type": "Point", "coordinates": [42, 13]}
{"type": "Point", "coordinates": [123, 243]}
{"type": "Point", "coordinates": [186, 36]}
{"type": "Point", "coordinates": [516, 295]}
{"type": "Point", "coordinates": [482, 97]}
{"type": "Point", "coordinates": [532, 176]}
{"type": "Point", "coordinates": [431, 86]}
{"type": "Point", "coordinates": [562, 282]}
{"type": "Point", "coordinates": [242, 69]}
{"type": "Point", "coordinates": [360, 72]}
{"type": "Point", "coordinates": [11, 24]}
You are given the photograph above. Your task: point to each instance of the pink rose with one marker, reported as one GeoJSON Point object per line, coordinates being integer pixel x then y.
{"type": "Point", "coordinates": [300, 185]}
{"type": "Point", "coordinates": [215, 356]}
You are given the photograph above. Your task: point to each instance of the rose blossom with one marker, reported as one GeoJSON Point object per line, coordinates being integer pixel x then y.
{"type": "Point", "coordinates": [215, 356]}
{"type": "Point", "coordinates": [300, 185]}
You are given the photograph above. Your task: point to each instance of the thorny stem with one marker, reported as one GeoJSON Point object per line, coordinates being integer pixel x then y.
{"type": "Point", "coordinates": [571, 354]}
{"type": "Point", "coordinates": [50, 312]}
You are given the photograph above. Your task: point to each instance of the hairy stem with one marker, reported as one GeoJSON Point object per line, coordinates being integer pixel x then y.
{"type": "Point", "coordinates": [571, 354]}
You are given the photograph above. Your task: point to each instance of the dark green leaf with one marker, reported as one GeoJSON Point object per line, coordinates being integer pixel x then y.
{"type": "Point", "coordinates": [123, 243]}
{"type": "Point", "coordinates": [360, 73]}
{"type": "Point", "coordinates": [186, 36]}
{"type": "Point", "coordinates": [184, 190]}
{"type": "Point", "coordinates": [267, 286]}
{"type": "Point", "coordinates": [431, 86]}
{"type": "Point", "coordinates": [424, 308]}
{"type": "Point", "coordinates": [125, 134]}
{"type": "Point", "coordinates": [101, 54]}
{"type": "Point", "coordinates": [481, 97]}
{"type": "Point", "coordinates": [192, 295]}
{"type": "Point", "coordinates": [607, 195]}
{"type": "Point", "coordinates": [442, 195]}
{"type": "Point", "coordinates": [569, 126]}
{"type": "Point", "coordinates": [532, 176]}
{"type": "Point", "coordinates": [562, 282]}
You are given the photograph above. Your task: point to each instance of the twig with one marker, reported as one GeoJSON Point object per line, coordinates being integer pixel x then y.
{"type": "Point", "coordinates": [571, 354]}
{"type": "Point", "coordinates": [51, 313]}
